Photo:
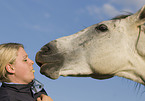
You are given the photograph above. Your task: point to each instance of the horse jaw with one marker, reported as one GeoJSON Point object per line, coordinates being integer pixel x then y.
{"type": "Point", "coordinates": [137, 58]}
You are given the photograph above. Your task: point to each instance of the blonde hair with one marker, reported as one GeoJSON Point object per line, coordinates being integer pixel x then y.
{"type": "Point", "coordinates": [8, 54]}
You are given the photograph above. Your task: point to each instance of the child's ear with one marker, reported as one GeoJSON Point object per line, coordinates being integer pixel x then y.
{"type": "Point", "coordinates": [10, 68]}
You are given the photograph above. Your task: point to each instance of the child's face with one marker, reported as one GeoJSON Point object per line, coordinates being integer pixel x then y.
{"type": "Point", "coordinates": [24, 73]}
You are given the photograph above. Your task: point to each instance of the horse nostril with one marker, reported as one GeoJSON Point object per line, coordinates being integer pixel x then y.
{"type": "Point", "coordinates": [46, 48]}
{"type": "Point", "coordinates": [49, 48]}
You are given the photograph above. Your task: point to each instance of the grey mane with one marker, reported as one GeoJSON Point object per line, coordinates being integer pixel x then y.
{"type": "Point", "coordinates": [125, 16]}
{"type": "Point", "coordinates": [121, 16]}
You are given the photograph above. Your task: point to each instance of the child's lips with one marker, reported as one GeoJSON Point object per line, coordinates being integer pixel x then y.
{"type": "Point", "coordinates": [33, 70]}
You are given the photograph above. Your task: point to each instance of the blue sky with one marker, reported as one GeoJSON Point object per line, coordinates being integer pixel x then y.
{"type": "Point", "coordinates": [37, 22]}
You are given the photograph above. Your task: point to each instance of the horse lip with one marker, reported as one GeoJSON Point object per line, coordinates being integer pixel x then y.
{"type": "Point", "coordinates": [49, 70]}
{"type": "Point", "coordinates": [47, 63]}
{"type": "Point", "coordinates": [50, 65]}
{"type": "Point", "coordinates": [50, 59]}
{"type": "Point", "coordinates": [43, 65]}
{"type": "Point", "coordinates": [39, 63]}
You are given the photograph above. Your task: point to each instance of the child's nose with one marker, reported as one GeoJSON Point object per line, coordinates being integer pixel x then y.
{"type": "Point", "coordinates": [31, 61]}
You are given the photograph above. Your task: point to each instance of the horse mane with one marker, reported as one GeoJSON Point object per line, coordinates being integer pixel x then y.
{"type": "Point", "coordinates": [122, 16]}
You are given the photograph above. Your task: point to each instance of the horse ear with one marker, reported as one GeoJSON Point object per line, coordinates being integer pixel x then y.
{"type": "Point", "coordinates": [139, 17]}
{"type": "Point", "coordinates": [142, 14]}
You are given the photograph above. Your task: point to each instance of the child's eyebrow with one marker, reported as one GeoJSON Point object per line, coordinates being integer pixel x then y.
{"type": "Point", "coordinates": [25, 56]}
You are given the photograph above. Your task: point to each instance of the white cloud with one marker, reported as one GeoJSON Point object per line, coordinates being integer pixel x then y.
{"type": "Point", "coordinates": [129, 4]}
{"type": "Point", "coordinates": [113, 8]}
{"type": "Point", "coordinates": [36, 27]}
{"type": "Point", "coordinates": [47, 15]}
{"type": "Point", "coordinates": [110, 10]}
{"type": "Point", "coordinates": [107, 10]}
{"type": "Point", "coordinates": [93, 9]}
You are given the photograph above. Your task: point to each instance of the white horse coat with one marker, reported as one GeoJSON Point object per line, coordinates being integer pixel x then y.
{"type": "Point", "coordinates": [107, 49]}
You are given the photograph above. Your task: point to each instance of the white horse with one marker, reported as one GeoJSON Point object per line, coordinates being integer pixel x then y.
{"type": "Point", "coordinates": [101, 51]}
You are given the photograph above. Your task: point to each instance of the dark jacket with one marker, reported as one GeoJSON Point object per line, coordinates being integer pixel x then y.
{"type": "Point", "coordinates": [19, 92]}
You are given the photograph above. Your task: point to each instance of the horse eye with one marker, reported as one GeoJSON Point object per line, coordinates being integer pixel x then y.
{"type": "Point", "coordinates": [102, 28]}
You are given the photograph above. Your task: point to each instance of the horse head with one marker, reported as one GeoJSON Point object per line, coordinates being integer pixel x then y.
{"type": "Point", "coordinates": [110, 48]}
